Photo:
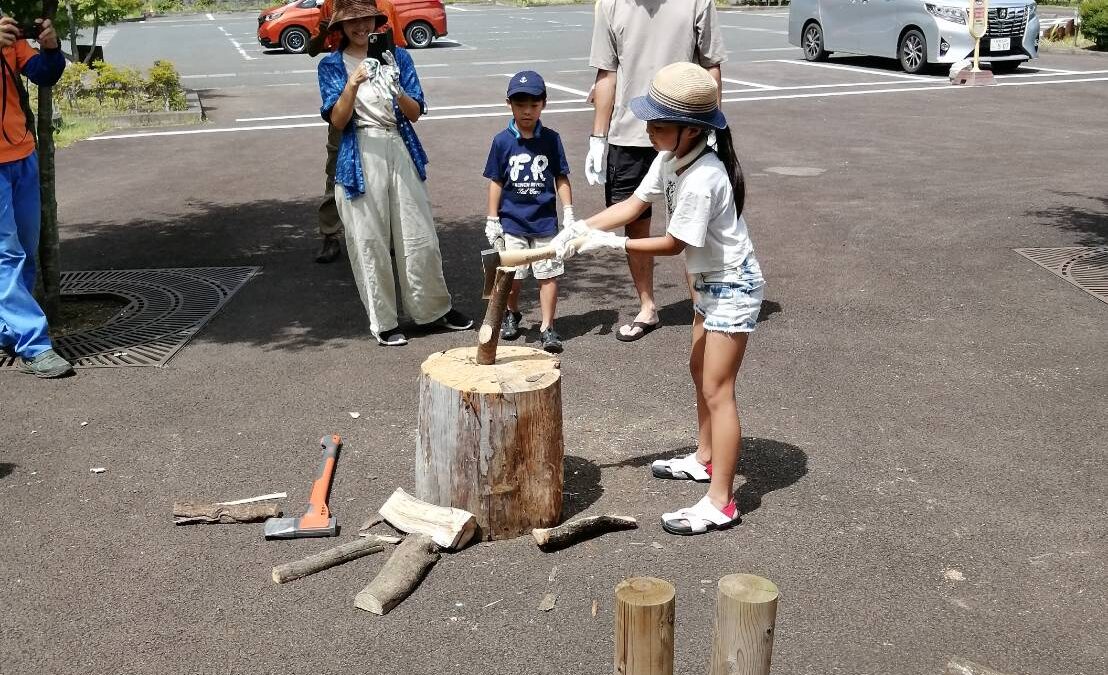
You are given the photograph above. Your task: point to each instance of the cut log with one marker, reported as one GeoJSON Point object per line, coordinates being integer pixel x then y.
{"type": "Point", "coordinates": [448, 527]}
{"type": "Point", "coordinates": [746, 611]}
{"type": "Point", "coordinates": [490, 438]}
{"type": "Point", "coordinates": [554, 538]}
{"type": "Point", "coordinates": [326, 559]}
{"type": "Point", "coordinates": [644, 627]}
{"type": "Point", "coordinates": [189, 513]}
{"type": "Point", "coordinates": [399, 577]}
{"type": "Point", "coordinates": [488, 336]}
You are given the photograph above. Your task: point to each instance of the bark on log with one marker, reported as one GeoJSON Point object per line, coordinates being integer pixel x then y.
{"type": "Point", "coordinates": [644, 627]}
{"type": "Point", "coordinates": [189, 513]}
{"type": "Point", "coordinates": [400, 575]}
{"type": "Point", "coordinates": [490, 438]}
{"type": "Point", "coordinates": [746, 611]}
{"type": "Point", "coordinates": [447, 527]}
{"type": "Point", "coordinates": [488, 336]}
{"type": "Point", "coordinates": [326, 559]}
{"type": "Point", "coordinates": [554, 538]}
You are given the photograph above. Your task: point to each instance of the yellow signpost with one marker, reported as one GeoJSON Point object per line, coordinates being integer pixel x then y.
{"type": "Point", "coordinates": [978, 26]}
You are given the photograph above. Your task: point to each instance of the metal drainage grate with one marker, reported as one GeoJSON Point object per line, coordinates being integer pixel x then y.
{"type": "Point", "coordinates": [1083, 266]}
{"type": "Point", "coordinates": [167, 307]}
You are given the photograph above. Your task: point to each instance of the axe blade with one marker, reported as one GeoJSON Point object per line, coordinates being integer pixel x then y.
{"type": "Point", "coordinates": [490, 260]}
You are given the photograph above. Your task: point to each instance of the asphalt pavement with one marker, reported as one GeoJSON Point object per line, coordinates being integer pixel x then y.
{"type": "Point", "coordinates": [923, 409]}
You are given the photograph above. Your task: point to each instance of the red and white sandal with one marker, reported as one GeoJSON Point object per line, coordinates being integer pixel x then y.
{"type": "Point", "coordinates": [682, 468]}
{"type": "Point", "coordinates": [701, 518]}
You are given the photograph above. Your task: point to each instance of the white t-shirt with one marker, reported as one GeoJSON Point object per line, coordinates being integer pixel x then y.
{"type": "Point", "coordinates": [370, 109]}
{"type": "Point", "coordinates": [636, 38]}
{"type": "Point", "coordinates": [700, 211]}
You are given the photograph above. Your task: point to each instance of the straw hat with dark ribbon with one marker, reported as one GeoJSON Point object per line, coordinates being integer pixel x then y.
{"type": "Point", "coordinates": [681, 93]}
{"type": "Point", "coordinates": [345, 10]}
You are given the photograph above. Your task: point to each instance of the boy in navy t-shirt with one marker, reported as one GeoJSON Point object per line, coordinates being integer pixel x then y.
{"type": "Point", "coordinates": [526, 167]}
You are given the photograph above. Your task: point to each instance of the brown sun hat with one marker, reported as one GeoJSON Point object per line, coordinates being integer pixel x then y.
{"type": "Point", "coordinates": [681, 93]}
{"type": "Point", "coordinates": [345, 10]}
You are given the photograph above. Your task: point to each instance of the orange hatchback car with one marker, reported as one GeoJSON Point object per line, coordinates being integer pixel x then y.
{"type": "Point", "coordinates": [292, 25]}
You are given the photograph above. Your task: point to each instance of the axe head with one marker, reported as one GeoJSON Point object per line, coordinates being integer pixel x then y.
{"type": "Point", "coordinates": [490, 260]}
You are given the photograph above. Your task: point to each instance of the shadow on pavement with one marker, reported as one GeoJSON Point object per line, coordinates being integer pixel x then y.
{"type": "Point", "coordinates": [1088, 221]}
{"type": "Point", "coordinates": [581, 486]}
{"type": "Point", "coordinates": [767, 465]}
{"type": "Point", "coordinates": [6, 469]}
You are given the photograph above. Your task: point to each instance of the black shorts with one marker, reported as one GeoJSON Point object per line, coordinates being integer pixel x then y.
{"type": "Point", "coordinates": [627, 166]}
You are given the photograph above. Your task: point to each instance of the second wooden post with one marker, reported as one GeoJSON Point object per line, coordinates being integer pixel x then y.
{"type": "Point", "coordinates": [746, 611]}
{"type": "Point", "coordinates": [644, 627]}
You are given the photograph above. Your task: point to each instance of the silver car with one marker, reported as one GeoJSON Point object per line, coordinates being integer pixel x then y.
{"type": "Point", "coordinates": [915, 32]}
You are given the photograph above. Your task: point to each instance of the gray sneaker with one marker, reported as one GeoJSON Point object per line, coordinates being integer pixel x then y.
{"type": "Point", "coordinates": [47, 364]}
{"type": "Point", "coordinates": [551, 341]}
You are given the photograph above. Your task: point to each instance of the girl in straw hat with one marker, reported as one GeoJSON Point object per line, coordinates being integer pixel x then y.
{"type": "Point", "coordinates": [698, 178]}
{"type": "Point", "coordinates": [379, 174]}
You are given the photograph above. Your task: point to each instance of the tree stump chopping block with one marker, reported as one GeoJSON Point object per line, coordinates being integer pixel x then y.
{"type": "Point", "coordinates": [490, 438]}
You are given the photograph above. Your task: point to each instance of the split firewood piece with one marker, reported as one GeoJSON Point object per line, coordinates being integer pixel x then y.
{"type": "Point", "coordinates": [449, 528]}
{"type": "Point", "coordinates": [554, 538]}
{"type": "Point", "coordinates": [326, 559]}
{"type": "Point", "coordinates": [188, 513]}
{"type": "Point", "coordinates": [404, 570]}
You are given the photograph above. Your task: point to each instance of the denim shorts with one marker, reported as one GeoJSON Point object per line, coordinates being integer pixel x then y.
{"type": "Point", "coordinates": [729, 300]}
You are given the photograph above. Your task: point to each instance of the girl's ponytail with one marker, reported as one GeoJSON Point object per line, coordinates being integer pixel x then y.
{"type": "Point", "coordinates": [726, 151]}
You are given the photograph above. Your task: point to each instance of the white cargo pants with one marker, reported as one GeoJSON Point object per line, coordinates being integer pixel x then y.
{"type": "Point", "coordinates": [393, 214]}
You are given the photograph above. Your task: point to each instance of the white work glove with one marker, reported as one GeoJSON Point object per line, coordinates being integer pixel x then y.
{"type": "Point", "coordinates": [567, 215]}
{"type": "Point", "coordinates": [494, 232]}
{"type": "Point", "coordinates": [601, 239]}
{"type": "Point", "coordinates": [389, 77]}
{"type": "Point", "coordinates": [371, 67]}
{"type": "Point", "coordinates": [595, 165]}
{"type": "Point", "coordinates": [563, 242]}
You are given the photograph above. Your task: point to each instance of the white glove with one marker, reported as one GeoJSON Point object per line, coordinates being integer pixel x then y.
{"type": "Point", "coordinates": [601, 239]}
{"type": "Point", "coordinates": [387, 82]}
{"type": "Point", "coordinates": [494, 232]}
{"type": "Point", "coordinates": [567, 216]}
{"type": "Point", "coordinates": [595, 166]}
{"type": "Point", "coordinates": [563, 242]}
{"type": "Point", "coordinates": [371, 67]}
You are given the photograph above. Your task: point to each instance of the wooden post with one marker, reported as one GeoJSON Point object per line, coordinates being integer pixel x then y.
{"type": "Point", "coordinates": [489, 334]}
{"type": "Point", "coordinates": [746, 611]}
{"type": "Point", "coordinates": [490, 438]}
{"type": "Point", "coordinates": [644, 627]}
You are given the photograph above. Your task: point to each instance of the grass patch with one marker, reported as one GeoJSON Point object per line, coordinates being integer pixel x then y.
{"type": "Point", "coordinates": [71, 131]}
{"type": "Point", "coordinates": [1066, 44]}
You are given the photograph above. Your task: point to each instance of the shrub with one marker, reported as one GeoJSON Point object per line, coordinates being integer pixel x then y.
{"type": "Point", "coordinates": [73, 83]}
{"type": "Point", "coordinates": [164, 84]}
{"type": "Point", "coordinates": [121, 86]}
{"type": "Point", "coordinates": [1094, 21]}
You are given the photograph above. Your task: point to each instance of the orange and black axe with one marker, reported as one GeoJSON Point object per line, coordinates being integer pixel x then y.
{"type": "Point", "coordinates": [317, 521]}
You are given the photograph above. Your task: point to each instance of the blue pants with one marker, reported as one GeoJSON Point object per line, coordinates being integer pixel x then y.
{"type": "Point", "coordinates": [22, 323]}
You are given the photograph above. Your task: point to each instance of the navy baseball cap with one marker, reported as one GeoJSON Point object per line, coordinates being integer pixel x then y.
{"type": "Point", "coordinates": [526, 82]}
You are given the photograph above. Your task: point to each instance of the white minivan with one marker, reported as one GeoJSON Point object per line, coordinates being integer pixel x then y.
{"type": "Point", "coordinates": [916, 32]}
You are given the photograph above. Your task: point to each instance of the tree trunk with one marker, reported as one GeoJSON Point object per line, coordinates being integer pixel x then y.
{"type": "Point", "coordinates": [644, 627]}
{"type": "Point", "coordinates": [72, 30]}
{"type": "Point", "coordinates": [746, 611]}
{"type": "Point", "coordinates": [490, 438]}
{"type": "Point", "coordinates": [49, 256]}
{"type": "Point", "coordinates": [95, 31]}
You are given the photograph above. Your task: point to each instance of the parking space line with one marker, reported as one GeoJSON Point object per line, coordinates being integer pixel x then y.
{"type": "Point", "coordinates": [756, 85]}
{"type": "Point", "coordinates": [853, 69]}
{"type": "Point", "coordinates": [430, 110]}
{"type": "Point", "coordinates": [770, 49]}
{"type": "Point", "coordinates": [858, 92]}
{"type": "Point", "coordinates": [757, 30]}
{"type": "Point", "coordinates": [1054, 70]}
{"type": "Point", "coordinates": [209, 16]}
{"type": "Point", "coordinates": [1053, 74]}
{"type": "Point", "coordinates": [562, 87]}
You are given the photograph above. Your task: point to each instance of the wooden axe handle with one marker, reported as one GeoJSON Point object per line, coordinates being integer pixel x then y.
{"type": "Point", "coordinates": [530, 255]}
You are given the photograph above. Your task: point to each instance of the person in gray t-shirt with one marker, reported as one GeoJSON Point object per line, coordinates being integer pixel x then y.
{"type": "Point", "coordinates": [631, 41]}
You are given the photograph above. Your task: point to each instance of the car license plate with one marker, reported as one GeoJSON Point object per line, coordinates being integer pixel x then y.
{"type": "Point", "coordinates": [1000, 44]}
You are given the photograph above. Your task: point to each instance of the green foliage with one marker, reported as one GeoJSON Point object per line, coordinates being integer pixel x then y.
{"type": "Point", "coordinates": [106, 89]}
{"type": "Point", "coordinates": [168, 6]}
{"type": "Point", "coordinates": [164, 84]}
{"type": "Point", "coordinates": [1094, 21]}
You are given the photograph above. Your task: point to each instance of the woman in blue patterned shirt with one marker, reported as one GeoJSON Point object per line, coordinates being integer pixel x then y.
{"type": "Point", "coordinates": [379, 177]}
